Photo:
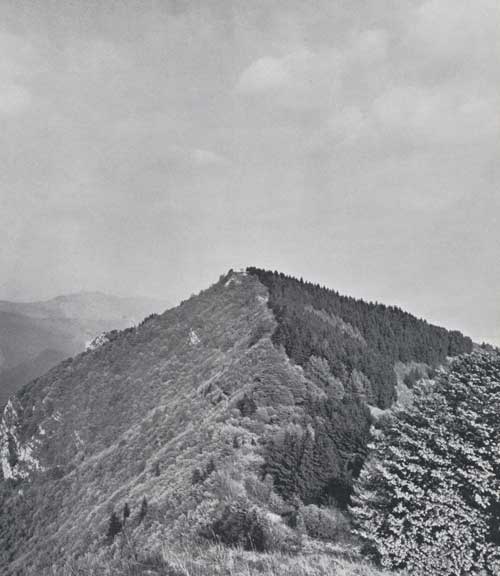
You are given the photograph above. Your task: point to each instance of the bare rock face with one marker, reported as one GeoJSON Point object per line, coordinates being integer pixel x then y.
{"type": "Point", "coordinates": [17, 455]}
{"type": "Point", "coordinates": [96, 342]}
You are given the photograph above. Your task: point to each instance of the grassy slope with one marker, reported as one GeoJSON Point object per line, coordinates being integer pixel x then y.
{"type": "Point", "coordinates": [217, 561]}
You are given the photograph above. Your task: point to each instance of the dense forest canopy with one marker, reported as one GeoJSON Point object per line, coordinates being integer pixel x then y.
{"type": "Point", "coordinates": [354, 335]}
{"type": "Point", "coordinates": [348, 348]}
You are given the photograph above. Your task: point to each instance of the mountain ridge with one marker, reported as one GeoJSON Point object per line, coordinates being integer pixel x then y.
{"type": "Point", "coordinates": [201, 410]}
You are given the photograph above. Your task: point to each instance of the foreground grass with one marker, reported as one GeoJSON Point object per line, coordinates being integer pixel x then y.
{"type": "Point", "coordinates": [222, 561]}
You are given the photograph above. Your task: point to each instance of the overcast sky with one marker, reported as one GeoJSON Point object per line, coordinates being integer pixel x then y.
{"type": "Point", "coordinates": [146, 147]}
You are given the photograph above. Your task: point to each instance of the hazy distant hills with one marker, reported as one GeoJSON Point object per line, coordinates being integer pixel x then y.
{"type": "Point", "coordinates": [34, 336]}
{"type": "Point", "coordinates": [86, 307]}
{"type": "Point", "coordinates": [225, 417]}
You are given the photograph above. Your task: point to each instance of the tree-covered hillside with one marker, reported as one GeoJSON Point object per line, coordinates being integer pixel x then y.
{"type": "Point", "coordinates": [224, 420]}
{"type": "Point", "coordinates": [348, 348]}
{"type": "Point", "coordinates": [354, 336]}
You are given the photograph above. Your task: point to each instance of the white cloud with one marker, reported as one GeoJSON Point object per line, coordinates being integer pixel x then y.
{"type": "Point", "coordinates": [405, 119]}
{"type": "Point", "coordinates": [202, 157]}
{"type": "Point", "coordinates": [316, 79]}
{"type": "Point", "coordinates": [425, 77]}
{"type": "Point", "coordinates": [263, 75]}
{"type": "Point", "coordinates": [301, 79]}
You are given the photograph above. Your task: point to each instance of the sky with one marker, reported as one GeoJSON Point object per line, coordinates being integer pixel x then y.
{"type": "Point", "coordinates": [146, 147]}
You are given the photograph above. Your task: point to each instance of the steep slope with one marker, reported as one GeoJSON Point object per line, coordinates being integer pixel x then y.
{"type": "Point", "coordinates": [136, 417]}
{"type": "Point", "coordinates": [200, 413]}
{"type": "Point", "coordinates": [34, 336]}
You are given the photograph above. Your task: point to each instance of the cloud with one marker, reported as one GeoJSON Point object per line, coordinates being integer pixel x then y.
{"type": "Point", "coordinates": [264, 75]}
{"type": "Point", "coordinates": [316, 78]}
{"type": "Point", "coordinates": [301, 79]}
{"type": "Point", "coordinates": [426, 76]}
{"type": "Point", "coordinates": [203, 157]}
{"type": "Point", "coordinates": [404, 120]}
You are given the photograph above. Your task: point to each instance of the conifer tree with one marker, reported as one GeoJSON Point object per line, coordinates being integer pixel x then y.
{"type": "Point", "coordinates": [428, 499]}
{"type": "Point", "coordinates": [114, 527]}
{"type": "Point", "coordinates": [144, 509]}
{"type": "Point", "coordinates": [126, 512]}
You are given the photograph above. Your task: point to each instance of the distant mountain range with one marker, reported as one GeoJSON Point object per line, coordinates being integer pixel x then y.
{"type": "Point", "coordinates": [242, 417]}
{"type": "Point", "coordinates": [34, 336]}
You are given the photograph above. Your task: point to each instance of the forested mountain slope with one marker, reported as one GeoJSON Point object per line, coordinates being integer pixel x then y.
{"type": "Point", "coordinates": [353, 335]}
{"type": "Point", "coordinates": [204, 417]}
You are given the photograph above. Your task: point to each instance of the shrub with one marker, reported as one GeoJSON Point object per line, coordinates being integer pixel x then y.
{"type": "Point", "coordinates": [246, 405]}
{"type": "Point", "coordinates": [325, 524]}
{"type": "Point", "coordinates": [196, 476]}
{"type": "Point", "coordinates": [199, 476]}
{"type": "Point", "coordinates": [241, 525]}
